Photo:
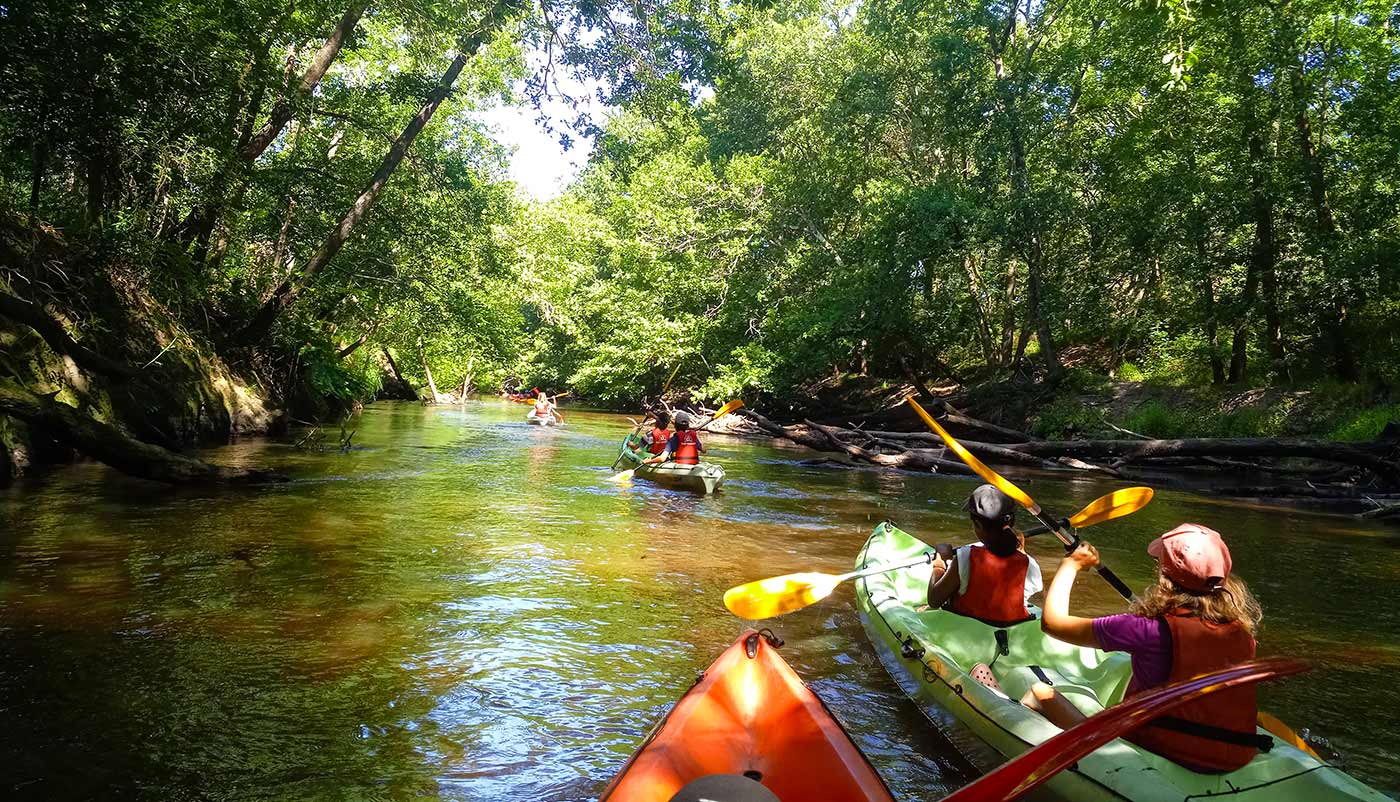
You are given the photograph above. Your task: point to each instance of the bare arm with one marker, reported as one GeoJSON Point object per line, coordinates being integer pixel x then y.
{"type": "Point", "coordinates": [944, 587]}
{"type": "Point", "coordinates": [1055, 620]}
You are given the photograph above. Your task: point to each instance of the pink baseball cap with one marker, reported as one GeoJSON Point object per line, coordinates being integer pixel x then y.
{"type": "Point", "coordinates": [1193, 556]}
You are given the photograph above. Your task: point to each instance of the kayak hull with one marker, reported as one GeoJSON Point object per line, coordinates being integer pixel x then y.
{"type": "Point", "coordinates": [750, 714]}
{"type": "Point", "coordinates": [929, 654]}
{"type": "Point", "coordinates": [535, 420]}
{"type": "Point", "coordinates": [705, 478]}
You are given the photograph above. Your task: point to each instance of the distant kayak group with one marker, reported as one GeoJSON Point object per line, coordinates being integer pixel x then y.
{"type": "Point", "coordinates": [1153, 705]}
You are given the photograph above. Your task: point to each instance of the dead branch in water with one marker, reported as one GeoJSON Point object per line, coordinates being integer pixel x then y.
{"type": "Point", "coordinates": [1318, 467]}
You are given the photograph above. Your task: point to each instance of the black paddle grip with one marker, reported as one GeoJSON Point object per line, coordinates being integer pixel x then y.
{"type": "Point", "coordinates": [1112, 579]}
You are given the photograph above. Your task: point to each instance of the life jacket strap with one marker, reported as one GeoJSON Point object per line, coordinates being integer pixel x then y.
{"type": "Point", "coordinates": [1196, 729]}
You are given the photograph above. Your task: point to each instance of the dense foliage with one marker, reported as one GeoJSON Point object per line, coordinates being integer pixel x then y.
{"type": "Point", "coordinates": [1196, 195]}
{"type": "Point", "coordinates": [789, 192]}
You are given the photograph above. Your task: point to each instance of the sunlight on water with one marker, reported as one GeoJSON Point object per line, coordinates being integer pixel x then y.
{"type": "Point", "coordinates": [465, 608]}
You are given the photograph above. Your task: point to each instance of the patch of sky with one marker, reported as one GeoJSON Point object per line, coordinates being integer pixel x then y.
{"type": "Point", "coordinates": [547, 147]}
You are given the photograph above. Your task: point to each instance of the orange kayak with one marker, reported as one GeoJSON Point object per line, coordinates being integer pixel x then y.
{"type": "Point", "coordinates": [750, 715]}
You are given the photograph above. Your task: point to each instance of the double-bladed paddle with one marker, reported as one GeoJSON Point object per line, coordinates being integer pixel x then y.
{"type": "Point", "coordinates": [777, 595]}
{"type": "Point", "coordinates": [1268, 722]}
{"type": "Point", "coordinates": [1016, 494]}
{"type": "Point", "coordinates": [719, 413]}
{"type": "Point", "coordinates": [1016, 777]}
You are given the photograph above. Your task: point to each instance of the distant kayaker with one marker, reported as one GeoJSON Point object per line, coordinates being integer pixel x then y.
{"type": "Point", "coordinates": [655, 440]}
{"type": "Point", "coordinates": [990, 580]}
{"type": "Point", "coordinates": [683, 447]}
{"type": "Point", "coordinates": [1195, 618]}
{"type": "Point", "coordinates": [544, 408]}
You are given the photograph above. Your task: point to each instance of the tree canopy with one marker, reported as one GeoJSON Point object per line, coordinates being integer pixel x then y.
{"type": "Point", "coordinates": [786, 193]}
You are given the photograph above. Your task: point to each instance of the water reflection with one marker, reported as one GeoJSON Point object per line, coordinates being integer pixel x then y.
{"type": "Point", "coordinates": [465, 608]}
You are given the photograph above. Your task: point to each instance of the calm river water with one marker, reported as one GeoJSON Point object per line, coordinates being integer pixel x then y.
{"type": "Point", "coordinates": [464, 608]}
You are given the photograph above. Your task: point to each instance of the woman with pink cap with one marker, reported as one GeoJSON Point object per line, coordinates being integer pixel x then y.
{"type": "Point", "coordinates": [1195, 618]}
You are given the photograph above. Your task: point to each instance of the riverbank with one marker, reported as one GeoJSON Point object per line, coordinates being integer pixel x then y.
{"type": "Point", "coordinates": [1253, 444]}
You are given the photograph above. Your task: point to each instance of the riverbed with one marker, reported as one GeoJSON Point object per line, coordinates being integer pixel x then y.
{"type": "Point", "coordinates": [464, 607]}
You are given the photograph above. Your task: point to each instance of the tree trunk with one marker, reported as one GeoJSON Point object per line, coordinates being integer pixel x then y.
{"type": "Point", "coordinates": [287, 292]}
{"type": "Point", "coordinates": [1208, 313]}
{"type": "Point", "coordinates": [1338, 324]}
{"type": "Point", "coordinates": [1008, 320]}
{"type": "Point", "coordinates": [110, 445]}
{"type": "Point", "coordinates": [285, 108]}
{"type": "Point", "coordinates": [96, 187]}
{"type": "Point", "coordinates": [427, 371]}
{"type": "Point", "coordinates": [1029, 233]}
{"type": "Point", "coordinates": [36, 181]}
{"type": "Point", "coordinates": [1264, 254]}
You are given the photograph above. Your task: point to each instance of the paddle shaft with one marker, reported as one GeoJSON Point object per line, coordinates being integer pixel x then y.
{"type": "Point", "coordinates": [884, 569]}
{"type": "Point", "coordinates": [1072, 542]}
{"type": "Point", "coordinates": [1017, 494]}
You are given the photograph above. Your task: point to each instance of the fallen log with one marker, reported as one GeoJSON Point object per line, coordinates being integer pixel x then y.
{"type": "Point", "coordinates": [1187, 454]}
{"type": "Point", "coordinates": [108, 444]}
{"type": "Point", "coordinates": [822, 438]}
{"type": "Point", "coordinates": [1386, 512]}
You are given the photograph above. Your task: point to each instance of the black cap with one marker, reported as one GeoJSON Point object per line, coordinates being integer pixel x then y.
{"type": "Point", "coordinates": [682, 420]}
{"type": "Point", "coordinates": [990, 504]}
{"type": "Point", "coordinates": [724, 788]}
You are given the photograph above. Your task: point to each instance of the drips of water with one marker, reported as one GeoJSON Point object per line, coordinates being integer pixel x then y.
{"type": "Point", "coordinates": [465, 608]}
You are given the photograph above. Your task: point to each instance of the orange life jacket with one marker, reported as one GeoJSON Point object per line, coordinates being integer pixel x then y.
{"type": "Point", "coordinates": [1199, 647]}
{"type": "Point", "coordinates": [687, 447]}
{"type": "Point", "coordinates": [659, 437]}
{"type": "Point", "coordinates": [996, 588]}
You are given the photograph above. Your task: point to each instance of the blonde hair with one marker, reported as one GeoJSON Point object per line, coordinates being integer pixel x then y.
{"type": "Point", "coordinates": [1232, 601]}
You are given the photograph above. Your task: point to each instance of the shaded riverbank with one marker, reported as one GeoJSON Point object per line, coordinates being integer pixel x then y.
{"type": "Point", "coordinates": [464, 607]}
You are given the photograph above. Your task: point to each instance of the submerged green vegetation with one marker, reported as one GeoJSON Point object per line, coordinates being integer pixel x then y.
{"type": "Point", "coordinates": [784, 196]}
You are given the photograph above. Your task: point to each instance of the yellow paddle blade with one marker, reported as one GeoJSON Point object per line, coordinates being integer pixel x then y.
{"type": "Point", "coordinates": [625, 476]}
{"type": "Point", "coordinates": [1114, 505]}
{"type": "Point", "coordinates": [1284, 733]}
{"type": "Point", "coordinates": [976, 464]}
{"type": "Point", "coordinates": [779, 594]}
{"type": "Point", "coordinates": [726, 409]}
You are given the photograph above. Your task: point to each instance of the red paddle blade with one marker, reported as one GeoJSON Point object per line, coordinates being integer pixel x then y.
{"type": "Point", "coordinates": [1028, 770]}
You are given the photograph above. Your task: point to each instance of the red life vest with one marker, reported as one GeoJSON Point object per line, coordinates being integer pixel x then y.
{"type": "Point", "coordinates": [658, 440]}
{"type": "Point", "coordinates": [687, 447]}
{"type": "Point", "coordinates": [1199, 647]}
{"type": "Point", "coordinates": [996, 588]}
{"type": "Point", "coordinates": [541, 409]}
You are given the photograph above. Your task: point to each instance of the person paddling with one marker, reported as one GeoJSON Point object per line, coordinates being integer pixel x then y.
{"type": "Point", "coordinates": [655, 440]}
{"type": "Point", "coordinates": [683, 447]}
{"type": "Point", "coordinates": [1194, 618]}
{"type": "Point", "coordinates": [544, 408]}
{"type": "Point", "coordinates": [990, 580]}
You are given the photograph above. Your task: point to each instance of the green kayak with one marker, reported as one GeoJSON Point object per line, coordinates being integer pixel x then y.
{"type": "Point", "coordinates": [703, 478]}
{"type": "Point", "coordinates": [929, 654]}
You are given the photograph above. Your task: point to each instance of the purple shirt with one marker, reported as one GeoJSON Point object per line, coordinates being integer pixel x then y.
{"type": "Point", "coordinates": [1148, 641]}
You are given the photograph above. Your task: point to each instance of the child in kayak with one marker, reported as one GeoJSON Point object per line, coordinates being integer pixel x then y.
{"type": "Point", "coordinates": [544, 408]}
{"type": "Point", "coordinates": [992, 579]}
{"type": "Point", "coordinates": [683, 447]}
{"type": "Point", "coordinates": [655, 440]}
{"type": "Point", "coordinates": [1195, 618]}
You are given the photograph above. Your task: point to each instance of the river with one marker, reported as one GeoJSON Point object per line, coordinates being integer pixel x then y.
{"type": "Point", "coordinates": [464, 607]}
